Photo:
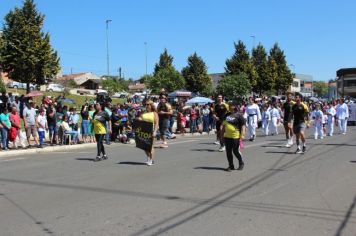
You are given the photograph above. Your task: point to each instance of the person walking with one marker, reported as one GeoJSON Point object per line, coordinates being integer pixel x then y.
{"type": "Point", "coordinates": [101, 118]}
{"type": "Point", "coordinates": [253, 116]}
{"type": "Point", "coordinates": [300, 113]}
{"type": "Point", "coordinates": [342, 114]}
{"type": "Point", "coordinates": [151, 116]}
{"type": "Point", "coordinates": [287, 119]}
{"type": "Point", "coordinates": [266, 119]}
{"type": "Point", "coordinates": [220, 111]}
{"type": "Point", "coordinates": [233, 129]}
{"type": "Point", "coordinates": [331, 112]}
{"type": "Point", "coordinates": [318, 122]}
{"type": "Point", "coordinates": [275, 119]}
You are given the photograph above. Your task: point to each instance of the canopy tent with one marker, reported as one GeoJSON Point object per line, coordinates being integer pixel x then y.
{"type": "Point", "coordinates": [199, 101]}
{"type": "Point", "coordinates": [180, 93]}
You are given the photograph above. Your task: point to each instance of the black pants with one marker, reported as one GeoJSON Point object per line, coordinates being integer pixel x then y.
{"type": "Point", "coordinates": [233, 146]}
{"type": "Point", "coordinates": [99, 143]}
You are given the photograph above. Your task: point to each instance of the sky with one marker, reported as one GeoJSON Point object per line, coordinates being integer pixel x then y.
{"type": "Point", "coordinates": [318, 37]}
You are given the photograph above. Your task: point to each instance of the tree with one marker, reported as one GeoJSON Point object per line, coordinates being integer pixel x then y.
{"type": "Point", "coordinates": [145, 78]}
{"type": "Point", "coordinates": [259, 59]}
{"type": "Point", "coordinates": [27, 55]}
{"type": "Point", "coordinates": [240, 62]}
{"type": "Point", "coordinates": [165, 61]}
{"type": "Point", "coordinates": [167, 78]}
{"type": "Point", "coordinates": [2, 85]}
{"type": "Point", "coordinates": [115, 84]}
{"type": "Point", "coordinates": [196, 75]}
{"type": "Point", "coordinates": [320, 88]}
{"type": "Point", "coordinates": [285, 76]}
{"type": "Point", "coordinates": [234, 86]}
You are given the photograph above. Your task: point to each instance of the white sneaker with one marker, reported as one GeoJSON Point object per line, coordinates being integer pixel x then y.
{"type": "Point", "coordinates": [149, 163]}
{"type": "Point", "coordinates": [221, 149]}
{"type": "Point", "coordinates": [217, 143]}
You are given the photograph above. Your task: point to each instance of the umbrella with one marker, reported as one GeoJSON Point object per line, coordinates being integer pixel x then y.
{"type": "Point", "coordinates": [67, 100]}
{"type": "Point", "coordinates": [199, 100]}
{"type": "Point", "coordinates": [34, 94]}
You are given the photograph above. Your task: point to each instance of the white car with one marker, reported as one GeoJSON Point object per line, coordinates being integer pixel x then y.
{"type": "Point", "coordinates": [55, 88]}
{"type": "Point", "coordinates": [18, 85]}
{"type": "Point", "coordinates": [120, 95]}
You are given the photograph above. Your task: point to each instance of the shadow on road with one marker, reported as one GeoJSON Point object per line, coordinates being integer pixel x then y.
{"type": "Point", "coordinates": [203, 150]}
{"type": "Point", "coordinates": [209, 168]}
{"type": "Point", "coordinates": [132, 163]}
{"type": "Point", "coordinates": [281, 152]}
{"type": "Point", "coordinates": [353, 161]}
{"type": "Point", "coordinates": [84, 159]}
{"type": "Point", "coordinates": [346, 218]}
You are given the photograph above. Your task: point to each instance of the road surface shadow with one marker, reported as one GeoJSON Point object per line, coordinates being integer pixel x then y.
{"type": "Point", "coordinates": [281, 152]}
{"type": "Point", "coordinates": [133, 163]}
{"type": "Point", "coordinates": [336, 144]}
{"type": "Point", "coordinates": [209, 168]}
{"type": "Point", "coordinates": [353, 162]}
{"type": "Point", "coordinates": [203, 150]}
{"type": "Point", "coordinates": [84, 159]}
{"type": "Point", "coordinates": [207, 143]}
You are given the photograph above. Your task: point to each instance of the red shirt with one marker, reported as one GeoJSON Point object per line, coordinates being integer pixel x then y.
{"type": "Point", "coordinates": [15, 118]}
{"type": "Point", "coordinates": [193, 114]}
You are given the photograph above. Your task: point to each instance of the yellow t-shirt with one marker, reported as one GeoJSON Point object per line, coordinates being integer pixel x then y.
{"type": "Point", "coordinates": [99, 127]}
{"type": "Point", "coordinates": [231, 131]}
{"type": "Point", "coordinates": [148, 117]}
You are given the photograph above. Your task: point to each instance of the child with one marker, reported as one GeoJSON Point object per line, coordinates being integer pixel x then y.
{"type": "Point", "coordinates": [275, 118]}
{"type": "Point", "coordinates": [266, 118]}
{"type": "Point", "coordinates": [42, 126]}
{"type": "Point", "coordinates": [318, 122]}
{"type": "Point", "coordinates": [182, 121]}
{"type": "Point", "coordinates": [331, 112]}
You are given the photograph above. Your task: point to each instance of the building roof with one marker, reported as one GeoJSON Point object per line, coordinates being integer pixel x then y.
{"type": "Point", "coordinates": [71, 76]}
{"type": "Point", "coordinates": [346, 71]}
{"type": "Point", "coordinates": [137, 86]}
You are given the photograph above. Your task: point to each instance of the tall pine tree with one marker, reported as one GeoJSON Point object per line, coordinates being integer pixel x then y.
{"type": "Point", "coordinates": [240, 62]}
{"type": "Point", "coordinates": [27, 55]}
{"type": "Point", "coordinates": [259, 60]}
{"type": "Point", "coordinates": [284, 74]}
{"type": "Point", "coordinates": [165, 61]}
{"type": "Point", "coordinates": [196, 76]}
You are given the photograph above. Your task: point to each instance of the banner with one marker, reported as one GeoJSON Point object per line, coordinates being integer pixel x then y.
{"type": "Point", "coordinates": [143, 135]}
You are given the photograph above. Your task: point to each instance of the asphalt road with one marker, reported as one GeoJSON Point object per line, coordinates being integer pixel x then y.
{"type": "Point", "coordinates": [186, 192]}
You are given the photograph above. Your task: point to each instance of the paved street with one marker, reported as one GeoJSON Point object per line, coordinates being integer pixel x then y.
{"type": "Point", "coordinates": [186, 192]}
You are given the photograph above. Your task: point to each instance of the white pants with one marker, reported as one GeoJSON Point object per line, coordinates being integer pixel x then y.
{"type": "Point", "coordinates": [318, 130]}
{"type": "Point", "coordinates": [252, 123]}
{"type": "Point", "coordinates": [265, 127]}
{"type": "Point", "coordinates": [343, 126]}
{"type": "Point", "coordinates": [330, 126]}
{"type": "Point", "coordinates": [274, 129]}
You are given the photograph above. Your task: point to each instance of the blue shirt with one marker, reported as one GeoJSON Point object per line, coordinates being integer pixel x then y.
{"type": "Point", "coordinates": [5, 118]}
{"type": "Point", "coordinates": [124, 112]}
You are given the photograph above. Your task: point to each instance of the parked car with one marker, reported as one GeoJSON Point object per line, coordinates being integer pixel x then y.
{"type": "Point", "coordinates": [101, 91]}
{"type": "Point", "coordinates": [18, 85]}
{"type": "Point", "coordinates": [55, 88]}
{"type": "Point", "coordinates": [120, 95]}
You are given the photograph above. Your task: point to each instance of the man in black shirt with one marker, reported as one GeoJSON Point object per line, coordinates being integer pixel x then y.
{"type": "Point", "coordinates": [164, 110]}
{"type": "Point", "coordinates": [287, 119]}
{"type": "Point", "coordinates": [300, 116]}
{"type": "Point", "coordinates": [220, 110]}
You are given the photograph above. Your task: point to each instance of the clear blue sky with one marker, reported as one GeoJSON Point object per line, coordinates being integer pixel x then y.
{"type": "Point", "coordinates": [318, 36]}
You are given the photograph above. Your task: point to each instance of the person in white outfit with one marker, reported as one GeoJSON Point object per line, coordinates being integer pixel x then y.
{"type": "Point", "coordinates": [330, 112]}
{"type": "Point", "coordinates": [318, 117]}
{"type": "Point", "coordinates": [266, 118]}
{"type": "Point", "coordinates": [342, 114]}
{"type": "Point", "coordinates": [253, 116]}
{"type": "Point", "coordinates": [275, 118]}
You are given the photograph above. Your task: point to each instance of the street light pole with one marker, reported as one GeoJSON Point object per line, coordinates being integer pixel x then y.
{"type": "Point", "coordinates": [292, 65]}
{"type": "Point", "coordinates": [146, 55]}
{"type": "Point", "coordinates": [107, 46]}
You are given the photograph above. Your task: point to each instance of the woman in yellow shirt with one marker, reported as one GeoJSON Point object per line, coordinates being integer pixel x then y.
{"type": "Point", "coordinates": [234, 131]}
{"type": "Point", "coordinates": [100, 118]}
{"type": "Point", "coordinates": [150, 115]}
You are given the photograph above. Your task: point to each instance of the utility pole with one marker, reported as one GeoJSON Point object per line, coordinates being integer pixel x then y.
{"type": "Point", "coordinates": [107, 46]}
{"type": "Point", "coordinates": [146, 55]}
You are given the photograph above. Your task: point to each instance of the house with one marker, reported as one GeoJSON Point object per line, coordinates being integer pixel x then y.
{"type": "Point", "coordinates": [306, 84]}
{"type": "Point", "coordinates": [137, 88]}
{"type": "Point", "coordinates": [346, 82]}
{"type": "Point", "coordinates": [82, 80]}
{"type": "Point", "coordinates": [295, 86]}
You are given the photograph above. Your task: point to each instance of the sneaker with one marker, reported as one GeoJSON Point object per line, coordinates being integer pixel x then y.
{"type": "Point", "coordinates": [304, 148]}
{"type": "Point", "coordinates": [221, 149]}
{"type": "Point", "coordinates": [97, 158]}
{"type": "Point", "coordinates": [105, 157]}
{"type": "Point", "coordinates": [149, 163]}
{"type": "Point", "coordinates": [299, 151]}
{"type": "Point", "coordinates": [217, 143]}
{"type": "Point", "coordinates": [229, 169]}
{"type": "Point", "coordinates": [163, 146]}
{"type": "Point", "coordinates": [241, 166]}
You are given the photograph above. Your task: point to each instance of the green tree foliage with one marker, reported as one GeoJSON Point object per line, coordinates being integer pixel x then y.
{"type": "Point", "coordinates": [165, 61]}
{"type": "Point", "coordinates": [320, 88]}
{"type": "Point", "coordinates": [27, 55]}
{"type": "Point", "coordinates": [240, 62]}
{"type": "Point", "coordinates": [115, 84]}
{"type": "Point", "coordinates": [259, 59]}
{"type": "Point", "coordinates": [196, 75]}
{"type": "Point", "coordinates": [168, 78]}
{"type": "Point", "coordinates": [234, 86]}
{"type": "Point", "coordinates": [285, 76]}
{"type": "Point", "coordinates": [2, 85]}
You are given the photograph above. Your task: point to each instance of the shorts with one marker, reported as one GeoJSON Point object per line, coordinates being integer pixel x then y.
{"type": "Point", "coordinates": [298, 128]}
{"type": "Point", "coordinates": [163, 126]}
{"type": "Point", "coordinates": [218, 125]}
{"type": "Point", "coordinates": [287, 122]}
{"type": "Point", "coordinates": [32, 129]}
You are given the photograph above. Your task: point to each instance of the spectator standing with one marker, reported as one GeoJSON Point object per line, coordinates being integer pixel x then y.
{"type": "Point", "coordinates": [85, 123]}
{"type": "Point", "coordinates": [206, 117]}
{"type": "Point", "coordinates": [29, 119]}
{"type": "Point", "coordinates": [52, 124]}
{"type": "Point", "coordinates": [91, 128]}
{"type": "Point", "coordinates": [5, 127]}
{"type": "Point", "coordinates": [42, 126]}
{"type": "Point", "coordinates": [16, 126]}
{"type": "Point", "coordinates": [193, 119]}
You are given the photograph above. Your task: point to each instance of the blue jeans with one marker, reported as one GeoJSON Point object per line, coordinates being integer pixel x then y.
{"type": "Point", "coordinates": [52, 128]}
{"type": "Point", "coordinates": [206, 124]}
{"type": "Point", "coordinates": [4, 139]}
{"type": "Point", "coordinates": [41, 135]}
{"type": "Point", "coordinates": [107, 135]}
{"type": "Point", "coordinates": [193, 126]}
{"type": "Point", "coordinates": [85, 127]}
{"type": "Point", "coordinates": [73, 133]}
